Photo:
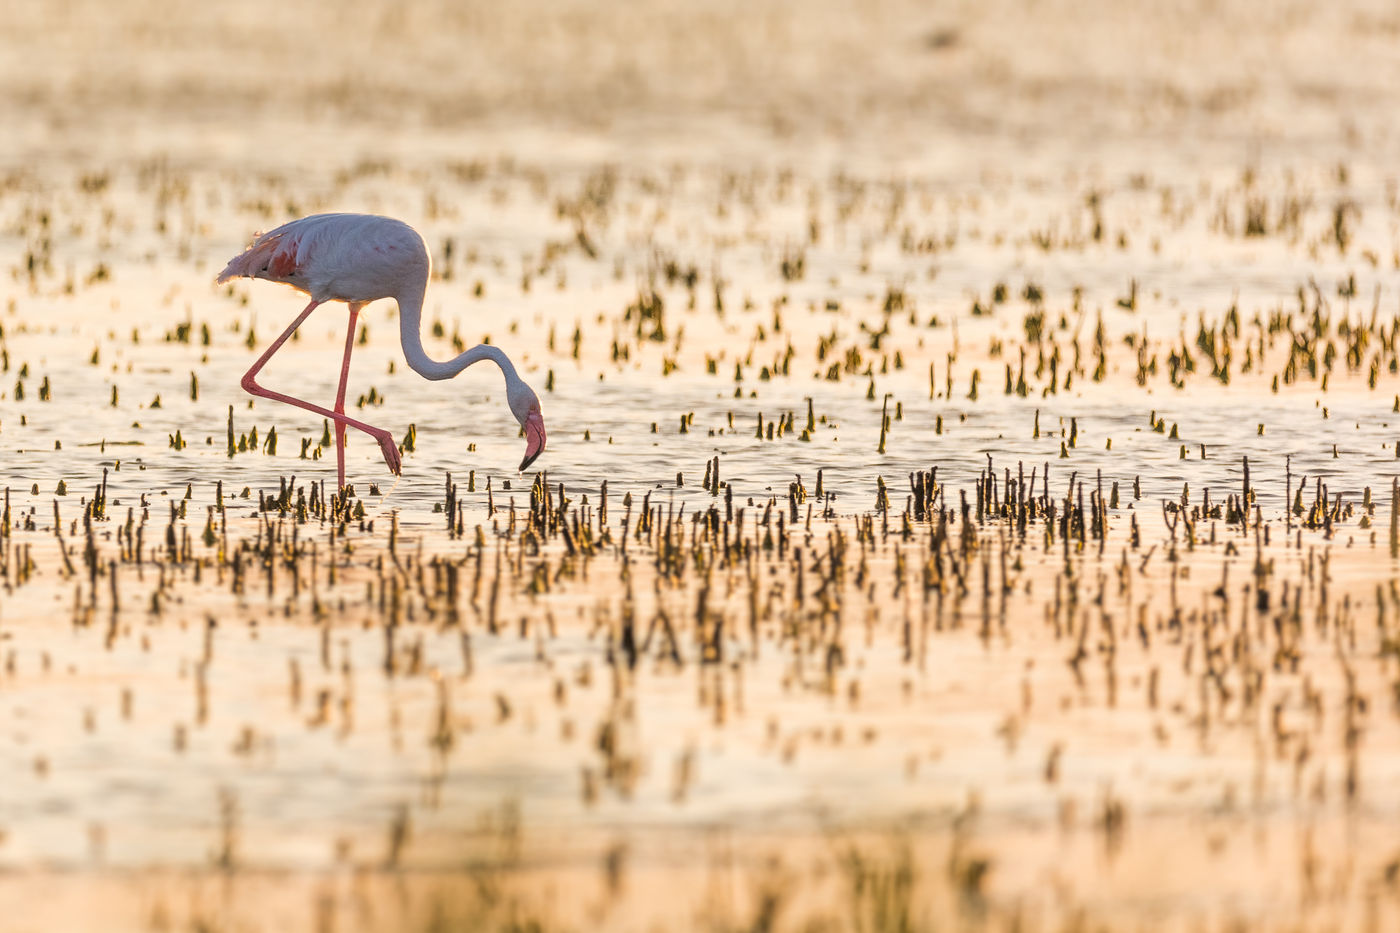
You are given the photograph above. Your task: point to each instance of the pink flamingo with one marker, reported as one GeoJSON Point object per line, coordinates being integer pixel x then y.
{"type": "Point", "coordinates": [358, 258]}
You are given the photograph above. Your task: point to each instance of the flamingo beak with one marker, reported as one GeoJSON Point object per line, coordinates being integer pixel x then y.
{"type": "Point", "coordinates": [534, 438]}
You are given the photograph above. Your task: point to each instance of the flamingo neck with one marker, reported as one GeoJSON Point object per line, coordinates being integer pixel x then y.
{"type": "Point", "coordinates": [410, 335]}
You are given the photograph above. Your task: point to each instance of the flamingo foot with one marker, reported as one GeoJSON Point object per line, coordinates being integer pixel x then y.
{"type": "Point", "coordinates": [392, 457]}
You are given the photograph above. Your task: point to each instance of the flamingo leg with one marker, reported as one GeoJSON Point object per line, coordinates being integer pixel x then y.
{"type": "Point", "coordinates": [250, 385]}
{"type": "Point", "coordinates": [340, 396]}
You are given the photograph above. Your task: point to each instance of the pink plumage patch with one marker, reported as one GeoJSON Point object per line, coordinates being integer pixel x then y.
{"type": "Point", "coordinates": [284, 263]}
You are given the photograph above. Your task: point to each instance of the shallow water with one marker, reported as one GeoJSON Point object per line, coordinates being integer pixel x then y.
{"type": "Point", "coordinates": [267, 718]}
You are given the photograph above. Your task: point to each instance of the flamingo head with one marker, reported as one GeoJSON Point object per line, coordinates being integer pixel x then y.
{"type": "Point", "coordinates": [525, 405]}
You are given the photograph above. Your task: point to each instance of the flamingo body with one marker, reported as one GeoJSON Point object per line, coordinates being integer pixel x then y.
{"type": "Point", "coordinates": [336, 257]}
{"type": "Point", "coordinates": [359, 258]}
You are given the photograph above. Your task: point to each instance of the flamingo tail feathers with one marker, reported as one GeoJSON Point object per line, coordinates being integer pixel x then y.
{"type": "Point", "coordinates": [272, 256]}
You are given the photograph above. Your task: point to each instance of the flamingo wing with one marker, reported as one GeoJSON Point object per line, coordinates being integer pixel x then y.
{"type": "Point", "coordinates": [345, 257]}
{"type": "Point", "coordinates": [274, 255]}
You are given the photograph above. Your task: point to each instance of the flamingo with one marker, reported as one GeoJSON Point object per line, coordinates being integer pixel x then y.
{"type": "Point", "coordinates": [358, 258]}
